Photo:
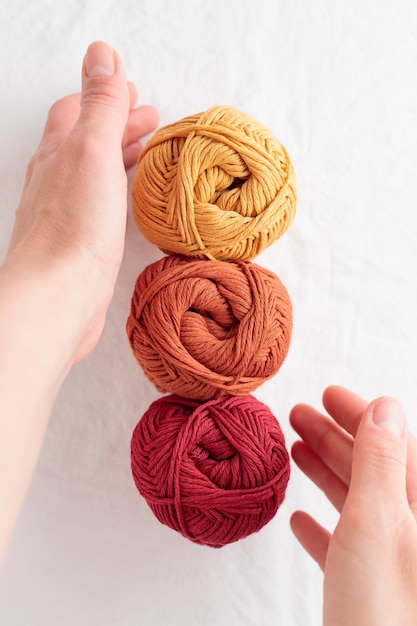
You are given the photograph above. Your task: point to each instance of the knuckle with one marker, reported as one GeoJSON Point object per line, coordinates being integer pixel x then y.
{"type": "Point", "coordinates": [85, 151]}
{"type": "Point", "coordinates": [54, 109]}
{"type": "Point", "coordinates": [42, 154]}
{"type": "Point", "coordinates": [32, 164]}
{"type": "Point", "coordinates": [54, 115]}
{"type": "Point", "coordinates": [345, 472]}
{"type": "Point", "coordinates": [413, 508]}
{"type": "Point", "coordinates": [37, 161]}
{"type": "Point", "coordinates": [101, 93]}
{"type": "Point", "coordinates": [323, 441]}
{"type": "Point", "coordinates": [387, 456]}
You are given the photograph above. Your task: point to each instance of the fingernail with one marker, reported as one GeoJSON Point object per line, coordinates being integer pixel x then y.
{"type": "Point", "coordinates": [99, 60]}
{"type": "Point", "coordinates": [388, 414]}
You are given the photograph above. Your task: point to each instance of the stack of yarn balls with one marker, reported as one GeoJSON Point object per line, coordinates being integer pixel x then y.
{"type": "Point", "coordinates": [208, 326]}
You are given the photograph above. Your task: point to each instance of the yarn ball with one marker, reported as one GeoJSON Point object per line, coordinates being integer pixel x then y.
{"type": "Point", "coordinates": [215, 472]}
{"type": "Point", "coordinates": [203, 329]}
{"type": "Point", "coordinates": [214, 185]}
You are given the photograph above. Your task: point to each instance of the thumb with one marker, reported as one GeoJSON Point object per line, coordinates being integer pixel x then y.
{"type": "Point", "coordinates": [380, 457]}
{"type": "Point", "coordinates": [105, 96]}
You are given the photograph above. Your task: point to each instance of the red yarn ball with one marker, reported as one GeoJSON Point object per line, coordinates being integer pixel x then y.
{"type": "Point", "coordinates": [214, 471]}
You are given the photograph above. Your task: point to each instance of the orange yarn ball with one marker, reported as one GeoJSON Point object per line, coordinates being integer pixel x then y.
{"type": "Point", "coordinates": [215, 185]}
{"type": "Point", "coordinates": [203, 329]}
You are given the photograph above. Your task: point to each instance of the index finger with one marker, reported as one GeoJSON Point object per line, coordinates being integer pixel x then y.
{"type": "Point", "coordinates": [345, 407]}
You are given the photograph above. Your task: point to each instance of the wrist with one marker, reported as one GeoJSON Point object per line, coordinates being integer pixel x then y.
{"type": "Point", "coordinates": [41, 315]}
{"type": "Point", "coordinates": [39, 332]}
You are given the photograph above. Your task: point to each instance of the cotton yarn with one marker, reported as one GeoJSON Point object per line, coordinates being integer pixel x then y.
{"type": "Point", "coordinates": [214, 185]}
{"type": "Point", "coordinates": [203, 329]}
{"type": "Point", "coordinates": [215, 471]}
{"type": "Point", "coordinates": [208, 326]}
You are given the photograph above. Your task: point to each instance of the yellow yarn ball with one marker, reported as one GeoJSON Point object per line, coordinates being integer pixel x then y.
{"type": "Point", "coordinates": [215, 185]}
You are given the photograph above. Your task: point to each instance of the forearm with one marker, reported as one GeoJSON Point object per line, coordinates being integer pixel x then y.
{"type": "Point", "coordinates": [64, 256]}
{"type": "Point", "coordinates": [38, 336]}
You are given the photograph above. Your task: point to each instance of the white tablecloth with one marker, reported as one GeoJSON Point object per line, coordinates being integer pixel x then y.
{"type": "Point", "coordinates": [336, 83]}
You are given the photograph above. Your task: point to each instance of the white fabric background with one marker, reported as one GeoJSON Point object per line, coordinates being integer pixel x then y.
{"type": "Point", "coordinates": [336, 82]}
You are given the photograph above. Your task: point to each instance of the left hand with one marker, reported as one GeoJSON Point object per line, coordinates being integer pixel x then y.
{"type": "Point", "coordinates": [65, 252]}
{"type": "Point", "coordinates": [72, 213]}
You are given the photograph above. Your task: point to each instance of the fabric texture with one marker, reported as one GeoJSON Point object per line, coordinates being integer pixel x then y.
{"type": "Point", "coordinates": [335, 83]}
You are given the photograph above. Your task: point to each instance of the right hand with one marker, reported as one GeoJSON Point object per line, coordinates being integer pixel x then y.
{"type": "Point", "coordinates": [366, 464]}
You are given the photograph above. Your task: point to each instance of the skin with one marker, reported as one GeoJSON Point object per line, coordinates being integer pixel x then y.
{"type": "Point", "coordinates": [58, 276]}
{"type": "Point", "coordinates": [56, 283]}
{"type": "Point", "coordinates": [369, 473]}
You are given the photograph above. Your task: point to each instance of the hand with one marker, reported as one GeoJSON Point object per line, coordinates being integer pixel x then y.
{"type": "Point", "coordinates": [59, 273]}
{"type": "Point", "coordinates": [361, 460]}
{"type": "Point", "coordinates": [72, 214]}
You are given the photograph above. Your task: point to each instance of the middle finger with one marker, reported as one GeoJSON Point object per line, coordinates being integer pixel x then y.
{"type": "Point", "coordinates": [331, 444]}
